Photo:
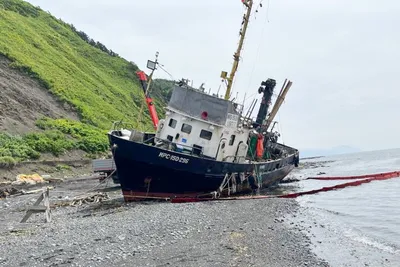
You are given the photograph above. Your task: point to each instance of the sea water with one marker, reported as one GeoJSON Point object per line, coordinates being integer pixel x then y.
{"type": "Point", "coordinates": [354, 226]}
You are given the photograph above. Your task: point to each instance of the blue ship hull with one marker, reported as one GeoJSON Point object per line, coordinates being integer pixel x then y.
{"type": "Point", "coordinates": [146, 171]}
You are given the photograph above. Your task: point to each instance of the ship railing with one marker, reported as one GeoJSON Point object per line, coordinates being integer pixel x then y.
{"type": "Point", "coordinates": [177, 147]}
{"type": "Point", "coordinates": [288, 149]}
{"type": "Point", "coordinates": [151, 139]}
{"type": "Point", "coordinates": [182, 148]}
{"type": "Point", "coordinates": [234, 158]}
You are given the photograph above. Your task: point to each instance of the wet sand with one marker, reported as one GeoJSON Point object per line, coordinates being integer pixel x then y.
{"type": "Point", "coordinates": [113, 233]}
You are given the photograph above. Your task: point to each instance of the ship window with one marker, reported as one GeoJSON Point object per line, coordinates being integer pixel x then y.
{"type": "Point", "coordinates": [172, 123]}
{"type": "Point", "coordinates": [205, 134]}
{"type": "Point", "coordinates": [186, 128]}
{"type": "Point", "coordinates": [170, 138]}
{"type": "Point", "coordinates": [232, 140]}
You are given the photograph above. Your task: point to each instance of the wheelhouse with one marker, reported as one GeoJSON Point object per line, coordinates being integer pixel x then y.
{"type": "Point", "coordinates": [204, 125]}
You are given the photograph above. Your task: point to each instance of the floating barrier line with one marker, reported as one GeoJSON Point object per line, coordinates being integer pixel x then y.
{"type": "Point", "coordinates": [335, 187]}
{"type": "Point", "coordinates": [386, 174]}
{"type": "Point", "coordinates": [362, 179]}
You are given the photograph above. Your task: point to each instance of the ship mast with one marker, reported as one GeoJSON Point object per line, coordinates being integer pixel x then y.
{"type": "Point", "coordinates": [236, 56]}
{"type": "Point", "coordinates": [146, 89]}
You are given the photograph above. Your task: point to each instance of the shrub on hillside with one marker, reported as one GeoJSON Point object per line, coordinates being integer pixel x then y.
{"type": "Point", "coordinates": [16, 148]}
{"type": "Point", "coordinates": [89, 138]}
{"type": "Point", "coordinates": [52, 141]}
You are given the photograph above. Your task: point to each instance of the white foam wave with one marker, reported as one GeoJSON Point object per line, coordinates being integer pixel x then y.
{"type": "Point", "coordinates": [370, 242]}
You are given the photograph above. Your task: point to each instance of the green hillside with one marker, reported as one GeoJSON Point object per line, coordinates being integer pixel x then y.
{"type": "Point", "coordinates": [100, 85]}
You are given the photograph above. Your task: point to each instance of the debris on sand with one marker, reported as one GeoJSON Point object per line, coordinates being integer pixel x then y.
{"type": "Point", "coordinates": [13, 191]}
{"type": "Point", "coordinates": [8, 191]}
{"type": "Point", "coordinates": [289, 180]}
{"type": "Point", "coordinates": [30, 179]}
{"type": "Point", "coordinates": [89, 198]}
{"type": "Point", "coordinates": [36, 190]}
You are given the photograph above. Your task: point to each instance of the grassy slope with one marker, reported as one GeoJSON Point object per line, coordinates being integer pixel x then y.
{"type": "Point", "coordinates": [102, 88]}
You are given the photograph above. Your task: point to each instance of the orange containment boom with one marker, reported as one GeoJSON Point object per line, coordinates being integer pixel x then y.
{"type": "Point", "coordinates": [361, 179]}
{"type": "Point", "coordinates": [385, 174]}
{"type": "Point", "coordinates": [149, 101]}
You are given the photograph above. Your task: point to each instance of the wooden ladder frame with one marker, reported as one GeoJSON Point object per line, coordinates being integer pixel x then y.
{"type": "Point", "coordinates": [36, 208]}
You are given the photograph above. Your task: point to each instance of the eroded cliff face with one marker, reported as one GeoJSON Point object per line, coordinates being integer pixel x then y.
{"type": "Point", "coordinates": [23, 100]}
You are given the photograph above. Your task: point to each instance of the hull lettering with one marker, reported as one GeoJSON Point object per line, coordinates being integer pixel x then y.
{"type": "Point", "coordinates": [167, 156]}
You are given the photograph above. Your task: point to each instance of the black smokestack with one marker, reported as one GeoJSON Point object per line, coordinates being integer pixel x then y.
{"type": "Point", "coordinates": [267, 88]}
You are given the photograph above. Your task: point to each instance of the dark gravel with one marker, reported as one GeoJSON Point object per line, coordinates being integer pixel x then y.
{"type": "Point", "coordinates": [225, 233]}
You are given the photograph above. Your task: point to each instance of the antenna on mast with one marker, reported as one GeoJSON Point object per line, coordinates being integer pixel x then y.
{"type": "Point", "coordinates": [236, 57]}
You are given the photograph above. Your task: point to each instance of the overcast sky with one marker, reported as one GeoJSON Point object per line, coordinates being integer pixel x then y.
{"type": "Point", "coordinates": [341, 55]}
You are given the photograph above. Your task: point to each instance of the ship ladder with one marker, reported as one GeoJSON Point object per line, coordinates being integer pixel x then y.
{"type": "Point", "coordinates": [225, 185]}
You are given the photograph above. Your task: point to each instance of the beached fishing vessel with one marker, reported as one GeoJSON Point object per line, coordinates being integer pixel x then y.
{"type": "Point", "coordinates": [206, 146]}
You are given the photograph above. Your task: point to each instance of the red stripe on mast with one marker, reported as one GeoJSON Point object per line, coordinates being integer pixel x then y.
{"type": "Point", "coordinates": [153, 112]}
{"type": "Point", "coordinates": [149, 101]}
